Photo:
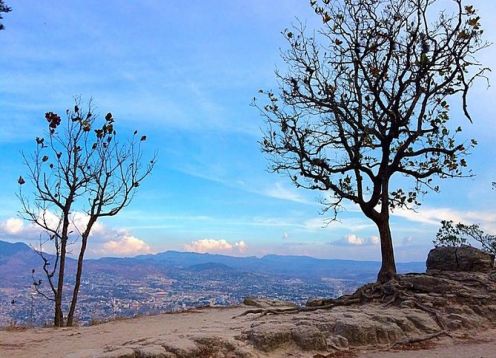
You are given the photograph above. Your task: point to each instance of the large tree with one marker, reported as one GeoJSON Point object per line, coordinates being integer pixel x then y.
{"type": "Point", "coordinates": [79, 172]}
{"type": "Point", "coordinates": [366, 97]}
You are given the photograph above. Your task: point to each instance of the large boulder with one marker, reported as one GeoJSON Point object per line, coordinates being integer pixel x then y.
{"type": "Point", "coordinates": [464, 258]}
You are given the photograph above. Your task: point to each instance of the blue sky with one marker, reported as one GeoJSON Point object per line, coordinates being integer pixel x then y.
{"type": "Point", "coordinates": [185, 74]}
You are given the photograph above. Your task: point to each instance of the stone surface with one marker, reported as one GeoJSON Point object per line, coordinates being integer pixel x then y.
{"type": "Point", "coordinates": [269, 337]}
{"type": "Point", "coordinates": [119, 353]}
{"type": "Point", "coordinates": [153, 351]}
{"type": "Point", "coordinates": [309, 338]}
{"type": "Point", "coordinates": [464, 258]}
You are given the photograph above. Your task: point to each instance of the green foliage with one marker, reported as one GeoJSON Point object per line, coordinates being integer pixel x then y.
{"type": "Point", "coordinates": [460, 234]}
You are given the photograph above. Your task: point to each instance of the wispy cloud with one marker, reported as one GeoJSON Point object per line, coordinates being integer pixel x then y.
{"type": "Point", "coordinates": [433, 216]}
{"type": "Point", "coordinates": [279, 191]}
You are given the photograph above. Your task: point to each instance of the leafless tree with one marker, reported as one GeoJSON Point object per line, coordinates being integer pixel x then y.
{"type": "Point", "coordinates": [79, 173]}
{"type": "Point", "coordinates": [366, 97]}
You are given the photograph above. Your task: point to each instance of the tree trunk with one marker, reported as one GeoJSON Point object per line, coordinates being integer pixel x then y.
{"type": "Point", "coordinates": [75, 293]}
{"type": "Point", "coordinates": [79, 273]}
{"type": "Point", "coordinates": [59, 315]}
{"type": "Point", "coordinates": [388, 268]}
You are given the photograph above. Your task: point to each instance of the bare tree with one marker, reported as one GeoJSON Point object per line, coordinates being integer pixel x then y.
{"type": "Point", "coordinates": [79, 172]}
{"type": "Point", "coordinates": [5, 9]}
{"type": "Point", "coordinates": [366, 97]}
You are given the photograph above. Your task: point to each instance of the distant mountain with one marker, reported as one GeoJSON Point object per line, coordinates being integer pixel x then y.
{"type": "Point", "coordinates": [17, 259]}
{"type": "Point", "coordinates": [8, 249]}
{"type": "Point", "coordinates": [16, 262]}
{"type": "Point", "coordinates": [294, 266]}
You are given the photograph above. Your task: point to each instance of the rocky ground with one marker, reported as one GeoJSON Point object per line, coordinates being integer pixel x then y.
{"type": "Point", "coordinates": [415, 311]}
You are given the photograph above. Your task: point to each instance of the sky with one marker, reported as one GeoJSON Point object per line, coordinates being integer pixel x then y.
{"type": "Point", "coordinates": [185, 73]}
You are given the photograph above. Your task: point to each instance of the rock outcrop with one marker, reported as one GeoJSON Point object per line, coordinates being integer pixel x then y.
{"type": "Point", "coordinates": [461, 259]}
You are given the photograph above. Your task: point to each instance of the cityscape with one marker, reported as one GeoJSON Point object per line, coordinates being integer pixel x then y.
{"type": "Point", "coordinates": [173, 281]}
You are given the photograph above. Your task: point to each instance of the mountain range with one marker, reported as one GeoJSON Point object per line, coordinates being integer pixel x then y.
{"type": "Point", "coordinates": [18, 259]}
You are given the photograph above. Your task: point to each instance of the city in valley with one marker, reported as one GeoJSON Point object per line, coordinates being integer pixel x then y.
{"type": "Point", "coordinates": [174, 281]}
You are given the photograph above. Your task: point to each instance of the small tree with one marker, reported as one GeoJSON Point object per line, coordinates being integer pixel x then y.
{"type": "Point", "coordinates": [367, 97]}
{"type": "Point", "coordinates": [451, 234]}
{"type": "Point", "coordinates": [79, 172]}
{"type": "Point", "coordinates": [5, 9]}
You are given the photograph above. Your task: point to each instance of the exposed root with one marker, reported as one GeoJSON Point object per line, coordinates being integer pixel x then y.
{"type": "Point", "coordinates": [433, 312]}
{"type": "Point", "coordinates": [420, 339]}
{"type": "Point", "coordinates": [421, 291]}
{"type": "Point", "coordinates": [286, 310]}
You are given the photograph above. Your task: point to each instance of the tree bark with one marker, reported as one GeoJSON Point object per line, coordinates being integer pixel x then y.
{"type": "Point", "coordinates": [388, 268]}
{"type": "Point", "coordinates": [79, 273]}
{"type": "Point", "coordinates": [58, 315]}
{"type": "Point", "coordinates": [77, 284]}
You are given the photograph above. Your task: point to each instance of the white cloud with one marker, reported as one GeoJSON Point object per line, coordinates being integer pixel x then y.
{"type": "Point", "coordinates": [79, 221]}
{"type": "Point", "coordinates": [127, 245]}
{"type": "Point", "coordinates": [29, 231]}
{"type": "Point", "coordinates": [15, 229]}
{"type": "Point", "coordinates": [355, 240]}
{"type": "Point", "coordinates": [104, 241]}
{"type": "Point", "coordinates": [375, 240]}
{"type": "Point", "coordinates": [213, 245]}
{"type": "Point", "coordinates": [12, 226]}
{"type": "Point", "coordinates": [241, 246]}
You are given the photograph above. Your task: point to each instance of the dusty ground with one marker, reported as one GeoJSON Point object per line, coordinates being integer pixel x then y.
{"type": "Point", "coordinates": [178, 330]}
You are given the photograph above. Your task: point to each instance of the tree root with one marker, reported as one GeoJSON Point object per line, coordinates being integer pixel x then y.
{"type": "Point", "coordinates": [391, 293]}
{"type": "Point", "coordinates": [286, 310]}
{"type": "Point", "coordinates": [433, 312]}
{"type": "Point", "coordinates": [420, 339]}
